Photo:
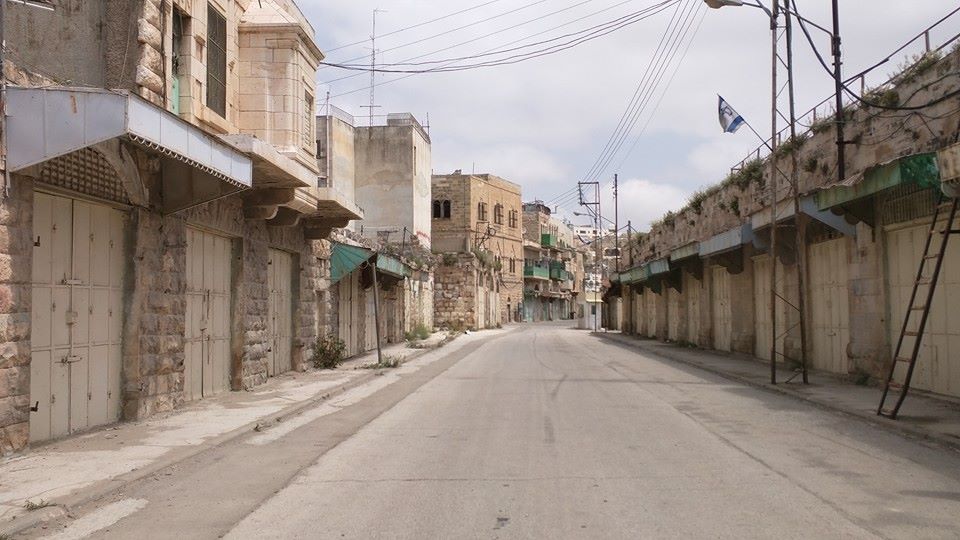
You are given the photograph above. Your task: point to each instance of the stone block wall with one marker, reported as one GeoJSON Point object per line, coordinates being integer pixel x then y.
{"type": "Point", "coordinates": [16, 251]}
{"type": "Point", "coordinates": [461, 291]}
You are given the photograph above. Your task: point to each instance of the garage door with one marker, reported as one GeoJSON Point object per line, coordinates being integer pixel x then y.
{"type": "Point", "coordinates": [674, 313]}
{"type": "Point", "coordinates": [279, 312]}
{"type": "Point", "coordinates": [691, 291]}
{"type": "Point", "coordinates": [720, 293]}
{"type": "Point", "coordinates": [938, 366]}
{"type": "Point", "coordinates": [76, 317]}
{"type": "Point", "coordinates": [207, 343]}
{"type": "Point", "coordinates": [829, 305]}
{"type": "Point", "coordinates": [787, 316]}
{"type": "Point", "coordinates": [348, 312]}
{"type": "Point", "coordinates": [650, 305]}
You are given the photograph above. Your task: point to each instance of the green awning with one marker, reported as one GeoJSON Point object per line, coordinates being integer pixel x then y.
{"type": "Point", "coordinates": [920, 169]}
{"type": "Point", "coordinates": [393, 266]}
{"type": "Point", "coordinates": [345, 259]}
{"type": "Point", "coordinates": [636, 274]}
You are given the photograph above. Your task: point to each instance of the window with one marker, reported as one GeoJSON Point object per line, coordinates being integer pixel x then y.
{"type": "Point", "coordinates": [308, 121]}
{"type": "Point", "coordinates": [513, 219]}
{"type": "Point", "coordinates": [180, 22]}
{"type": "Point", "coordinates": [441, 209]}
{"type": "Point", "coordinates": [498, 214]}
{"type": "Point", "coordinates": [481, 211]}
{"type": "Point", "coordinates": [513, 265]}
{"type": "Point", "coordinates": [216, 61]}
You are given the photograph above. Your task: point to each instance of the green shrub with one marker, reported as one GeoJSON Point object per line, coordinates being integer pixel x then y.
{"type": "Point", "coordinates": [328, 352]}
{"type": "Point", "coordinates": [419, 332]}
{"type": "Point", "coordinates": [885, 97]}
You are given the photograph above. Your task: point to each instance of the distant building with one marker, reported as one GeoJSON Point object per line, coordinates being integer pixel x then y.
{"type": "Point", "coordinates": [481, 213]}
{"type": "Point", "coordinates": [389, 167]}
{"type": "Point", "coordinates": [553, 267]}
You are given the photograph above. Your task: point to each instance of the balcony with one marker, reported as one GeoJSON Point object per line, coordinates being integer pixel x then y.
{"type": "Point", "coordinates": [536, 272]}
{"type": "Point", "coordinates": [548, 240]}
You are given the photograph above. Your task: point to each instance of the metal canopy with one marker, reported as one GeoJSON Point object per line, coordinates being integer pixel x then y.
{"type": "Point", "coordinates": [393, 266]}
{"type": "Point", "coordinates": [685, 252]}
{"type": "Point", "coordinates": [920, 169]}
{"type": "Point", "coordinates": [344, 259]}
{"type": "Point", "coordinates": [46, 123]}
{"type": "Point", "coordinates": [727, 241]}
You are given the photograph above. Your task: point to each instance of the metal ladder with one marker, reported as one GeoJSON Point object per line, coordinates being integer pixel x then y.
{"type": "Point", "coordinates": [900, 387]}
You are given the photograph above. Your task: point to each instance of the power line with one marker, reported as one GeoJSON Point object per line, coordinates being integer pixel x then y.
{"type": "Point", "coordinates": [418, 25]}
{"type": "Point", "coordinates": [514, 59]}
{"type": "Point", "coordinates": [525, 6]}
{"type": "Point", "coordinates": [396, 79]}
{"type": "Point", "coordinates": [666, 50]}
{"type": "Point", "coordinates": [653, 84]}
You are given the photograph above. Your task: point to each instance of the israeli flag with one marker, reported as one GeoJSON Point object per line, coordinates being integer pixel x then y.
{"type": "Point", "coordinates": [730, 120]}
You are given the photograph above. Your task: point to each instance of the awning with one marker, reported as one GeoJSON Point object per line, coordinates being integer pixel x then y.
{"type": "Point", "coordinates": [634, 275]}
{"type": "Point", "coordinates": [727, 241]}
{"type": "Point", "coordinates": [393, 266]}
{"type": "Point", "coordinates": [808, 207]}
{"type": "Point", "coordinates": [659, 266]}
{"type": "Point", "coordinates": [344, 259]}
{"type": "Point", "coordinates": [685, 252]}
{"type": "Point", "coordinates": [46, 123]}
{"type": "Point", "coordinates": [920, 169]}
{"type": "Point", "coordinates": [271, 169]}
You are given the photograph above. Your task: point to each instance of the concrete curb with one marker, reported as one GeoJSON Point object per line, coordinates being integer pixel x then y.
{"type": "Point", "coordinates": [61, 507]}
{"type": "Point", "coordinates": [879, 421]}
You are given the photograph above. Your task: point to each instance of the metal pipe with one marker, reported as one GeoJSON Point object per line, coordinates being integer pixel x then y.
{"type": "Point", "coordinates": [773, 193]}
{"type": "Point", "coordinates": [376, 311]}
{"type": "Point", "coordinates": [799, 218]}
{"type": "Point", "coordinates": [838, 88]}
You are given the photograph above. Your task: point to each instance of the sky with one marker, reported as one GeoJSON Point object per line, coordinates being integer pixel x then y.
{"type": "Point", "coordinates": [544, 123]}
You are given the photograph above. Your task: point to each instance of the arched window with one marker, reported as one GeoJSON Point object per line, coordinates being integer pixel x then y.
{"type": "Point", "coordinates": [498, 214]}
{"type": "Point", "coordinates": [445, 211]}
{"type": "Point", "coordinates": [436, 210]}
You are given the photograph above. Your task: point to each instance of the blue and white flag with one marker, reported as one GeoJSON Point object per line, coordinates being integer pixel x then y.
{"type": "Point", "coordinates": [730, 120]}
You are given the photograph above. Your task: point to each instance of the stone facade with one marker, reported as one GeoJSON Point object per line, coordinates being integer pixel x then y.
{"type": "Point", "coordinates": [266, 41]}
{"type": "Point", "coordinates": [497, 230]}
{"type": "Point", "coordinates": [466, 295]}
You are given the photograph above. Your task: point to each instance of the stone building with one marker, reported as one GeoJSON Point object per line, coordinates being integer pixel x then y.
{"type": "Point", "coordinates": [383, 163]}
{"type": "Point", "coordinates": [705, 270]}
{"type": "Point", "coordinates": [481, 213]}
{"type": "Point", "coordinates": [162, 224]}
{"type": "Point", "coordinates": [552, 269]}
{"type": "Point", "coordinates": [467, 293]}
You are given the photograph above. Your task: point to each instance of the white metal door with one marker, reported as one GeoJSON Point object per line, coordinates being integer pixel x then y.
{"type": "Point", "coordinates": [674, 300]}
{"type": "Point", "coordinates": [722, 318]}
{"type": "Point", "coordinates": [279, 312]}
{"type": "Point", "coordinates": [650, 304]}
{"type": "Point", "coordinates": [938, 366]}
{"type": "Point", "coordinates": [349, 307]}
{"type": "Point", "coordinates": [207, 339]}
{"type": "Point", "coordinates": [691, 290]}
{"type": "Point", "coordinates": [77, 288]}
{"type": "Point", "coordinates": [829, 305]}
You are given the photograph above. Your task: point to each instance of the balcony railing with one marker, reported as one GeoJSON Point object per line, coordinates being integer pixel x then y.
{"type": "Point", "coordinates": [536, 272]}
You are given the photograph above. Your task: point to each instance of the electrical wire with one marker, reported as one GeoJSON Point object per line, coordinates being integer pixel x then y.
{"type": "Point", "coordinates": [411, 27]}
{"type": "Point", "coordinates": [396, 79]}
{"type": "Point", "coordinates": [856, 96]}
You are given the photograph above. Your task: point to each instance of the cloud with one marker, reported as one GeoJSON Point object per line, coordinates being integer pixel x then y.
{"type": "Point", "coordinates": [543, 123]}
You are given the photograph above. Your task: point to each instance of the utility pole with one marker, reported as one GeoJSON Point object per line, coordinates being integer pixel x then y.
{"type": "Point", "coordinates": [774, 174]}
{"type": "Point", "coordinates": [800, 219]}
{"type": "Point", "coordinates": [616, 221]}
{"type": "Point", "coordinates": [838, 86]}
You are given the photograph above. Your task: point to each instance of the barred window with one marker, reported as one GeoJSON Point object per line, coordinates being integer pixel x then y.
{"type": "Point", "coordinates": [216, 61]}
{"type": "Point", "coordinates": [308, 120]}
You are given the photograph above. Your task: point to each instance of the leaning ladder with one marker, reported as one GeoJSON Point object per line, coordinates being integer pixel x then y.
{"type": "Point", "coordinates": [897, 387]}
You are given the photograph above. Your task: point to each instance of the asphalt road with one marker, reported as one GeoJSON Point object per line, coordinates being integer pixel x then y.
{"type": "Point", "coordinates": [549, 432]}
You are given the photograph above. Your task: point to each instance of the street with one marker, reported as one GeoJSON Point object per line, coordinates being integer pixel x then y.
{"type": "Point", "coordinates": [543, 431]}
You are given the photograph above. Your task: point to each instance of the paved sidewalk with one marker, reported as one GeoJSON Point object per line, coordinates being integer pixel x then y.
{"type": "Point", "coordinates": [921, 416]}
{"type": "Point", "coordinates": [67, 471]}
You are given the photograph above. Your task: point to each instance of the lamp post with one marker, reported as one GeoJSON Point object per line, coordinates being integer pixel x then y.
{"type": "Point", "coordinates": [794, 181]}
{"type": "Point", "coordinates": [835, 51]}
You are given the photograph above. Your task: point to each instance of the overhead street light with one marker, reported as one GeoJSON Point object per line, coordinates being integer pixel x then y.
{"type": "Point", "coordinates": [837, 62]}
